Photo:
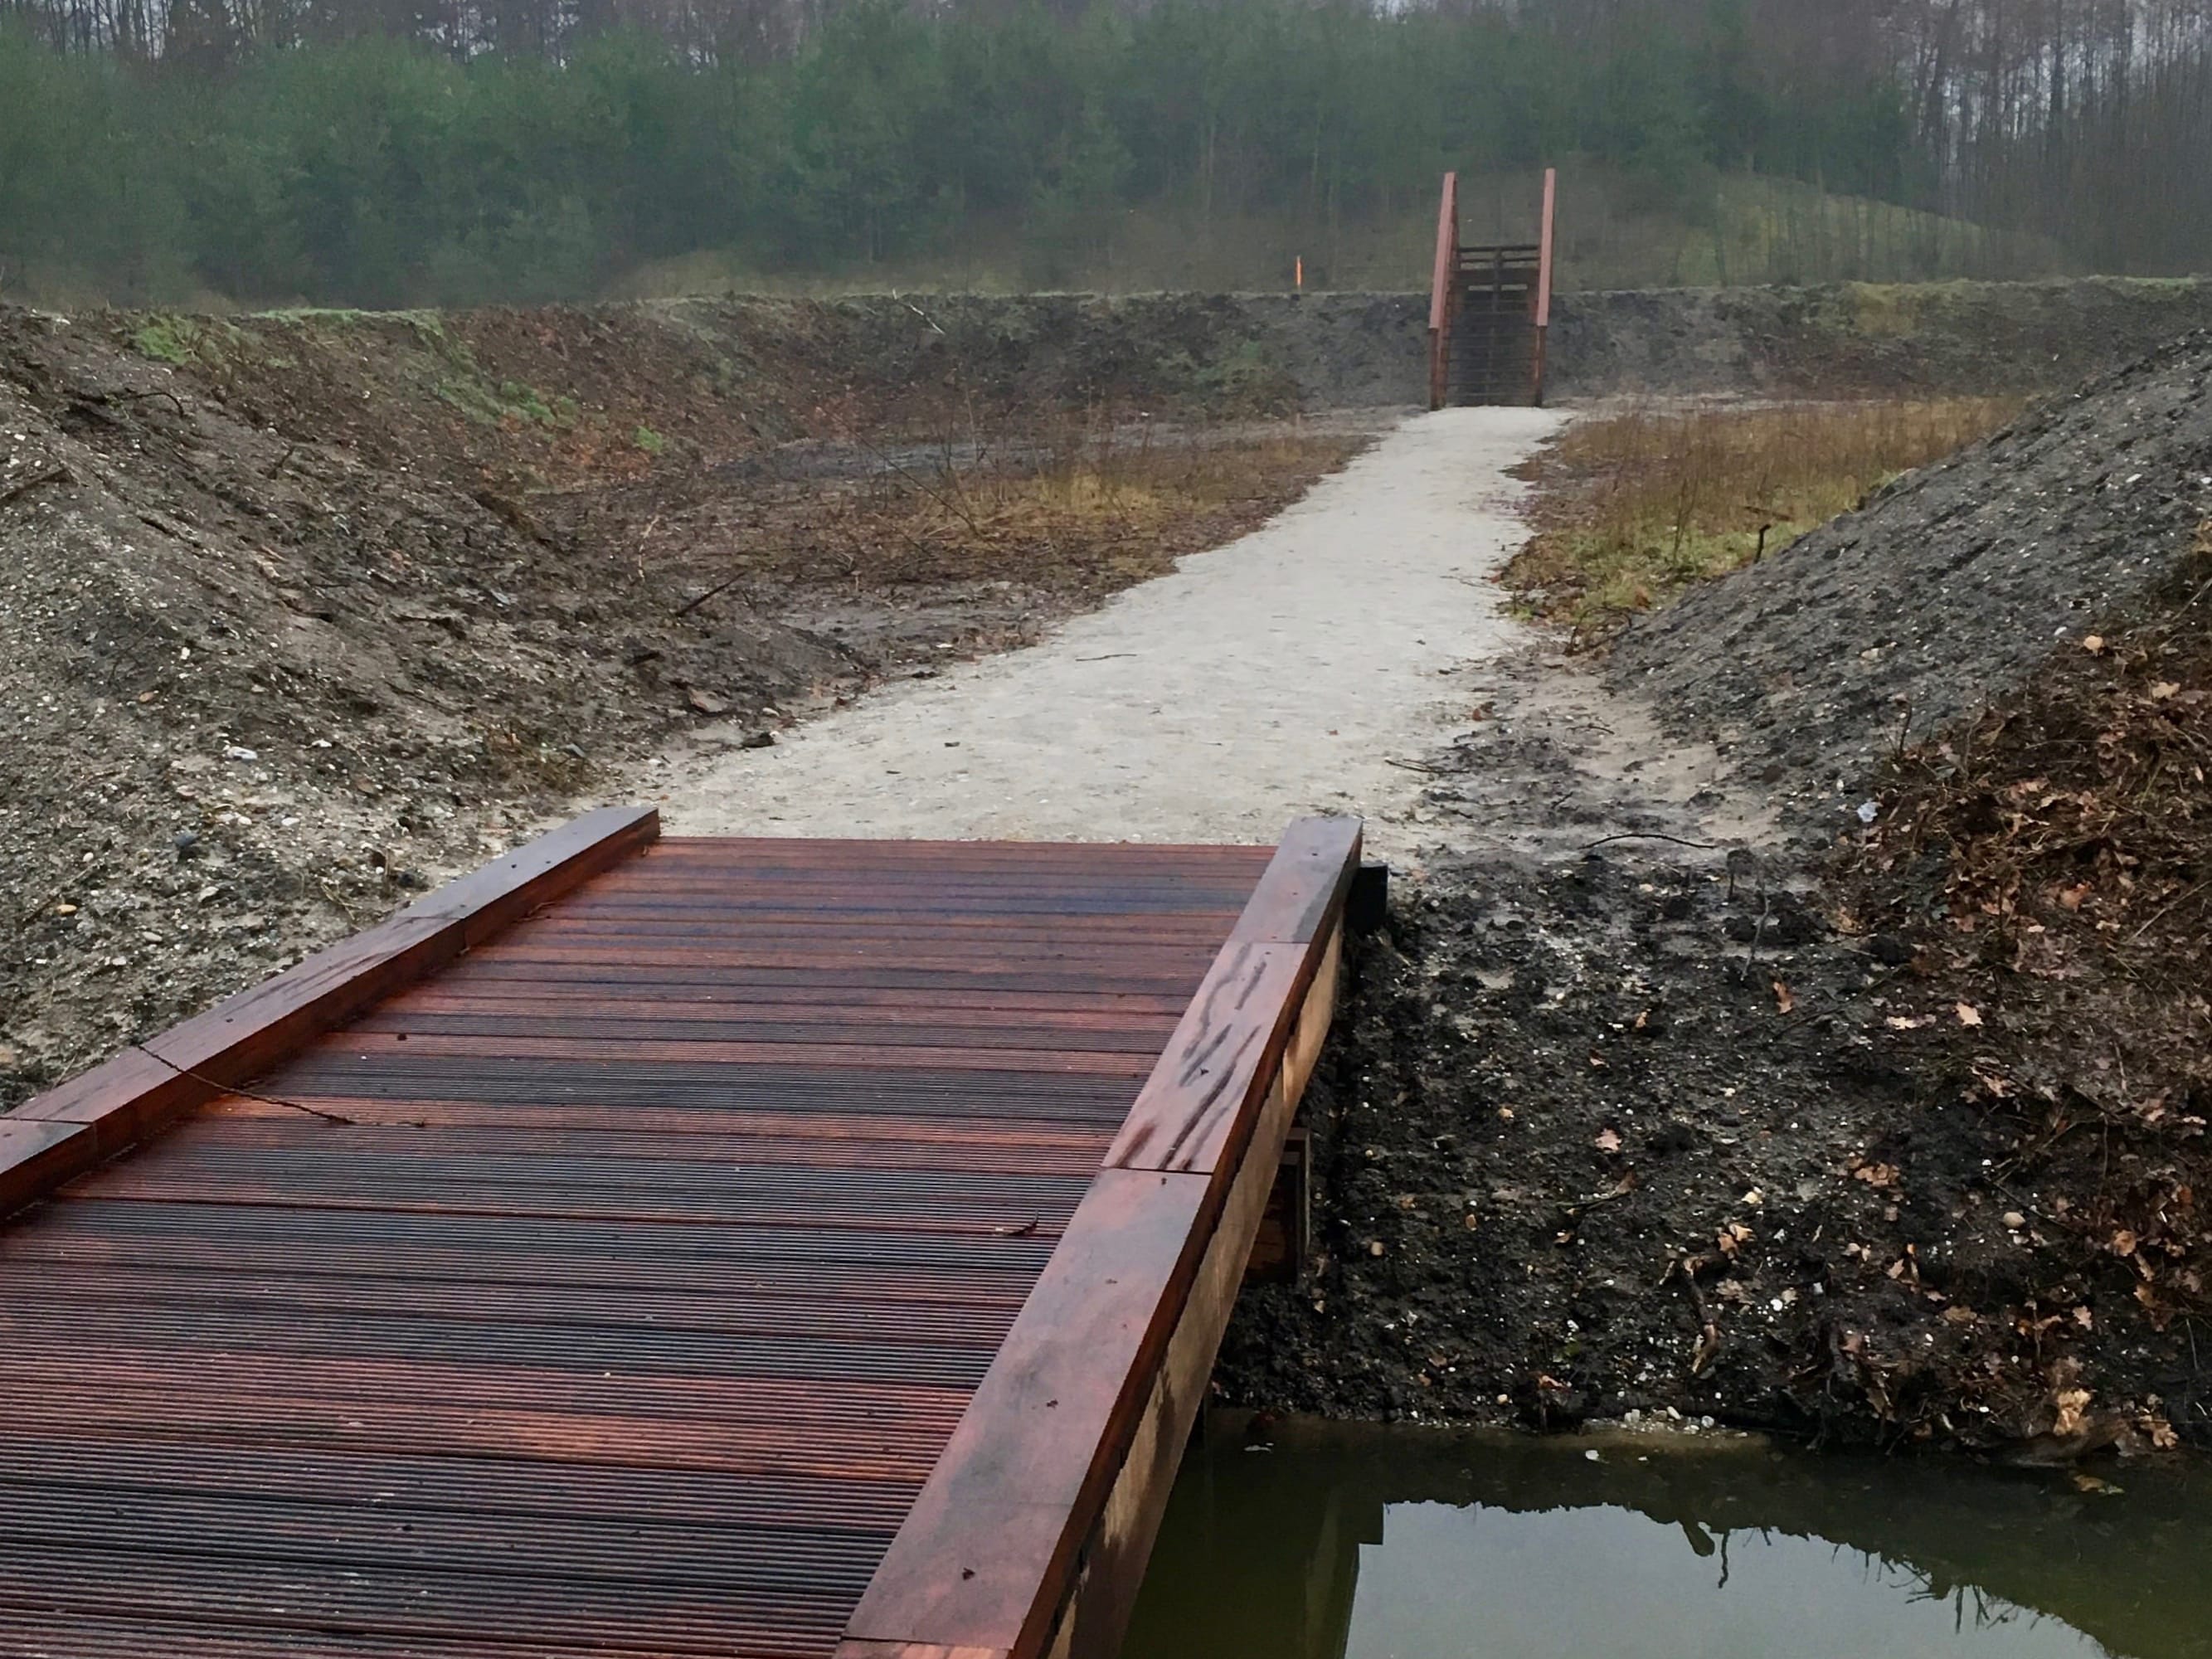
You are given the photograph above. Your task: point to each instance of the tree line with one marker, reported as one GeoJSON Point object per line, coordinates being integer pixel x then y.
{"type": "Point", "coordinates": [381, 152]}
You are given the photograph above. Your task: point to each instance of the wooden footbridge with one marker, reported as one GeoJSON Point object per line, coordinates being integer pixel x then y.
{"type": "Point", "coordinates": [648, 1247]}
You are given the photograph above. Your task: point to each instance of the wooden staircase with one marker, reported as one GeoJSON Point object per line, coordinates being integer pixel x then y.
{"type": "Point", "coordinates": [1493, 340]}
{"type": "Point", "coordinates": [1489, 311]}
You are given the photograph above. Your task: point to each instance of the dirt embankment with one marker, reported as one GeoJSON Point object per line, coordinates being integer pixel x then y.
{"type": "Point", "coordinates": [1941, 339]}
{"type": "Point", "coordinates": [1335, 350]}
{"type": "Point", "coordinates": [1828, 1052]}
{"type": "Point", "coordinates": [305, 611]}
{"type": "Point", "coordinates": [1329, 350]}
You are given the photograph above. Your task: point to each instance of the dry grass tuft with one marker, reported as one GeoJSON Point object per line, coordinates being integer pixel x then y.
{"type": "Point", "coordinates": [1080, 514]}
{"type": "Point", "coordinates": [1631, 508]}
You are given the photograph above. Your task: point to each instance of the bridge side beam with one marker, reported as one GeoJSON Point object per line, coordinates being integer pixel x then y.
{"type": "Point", "coordinates": [1031, 1535]}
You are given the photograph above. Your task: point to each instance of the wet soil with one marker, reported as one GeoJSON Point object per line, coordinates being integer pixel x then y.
{"type": "Point", "coordinates": [1681, 1087]}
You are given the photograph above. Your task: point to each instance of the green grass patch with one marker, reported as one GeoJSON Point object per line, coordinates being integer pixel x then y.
{"type": "Point", "coordinates": [167, 339]}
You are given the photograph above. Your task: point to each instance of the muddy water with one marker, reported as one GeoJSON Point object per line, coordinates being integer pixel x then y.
{"type": "Point", "coordinates": [1364, 1543]}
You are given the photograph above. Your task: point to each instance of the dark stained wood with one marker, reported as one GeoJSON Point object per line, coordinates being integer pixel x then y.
{"type": "Point", "coordinates": [686, 1253]}
{"type": "Point", "coordinates": [609, 1275]}
{"type": "Point", "coordinates": [1144, 1448]}
{"type": "Point", "coordinates": [1303, 890]}
{"type": "Point", "coordinates": [1196, 1109]}
{"type": "Point", "coordinates": [35, 1157]}
{"type": "Point", "coordinates": [1189, 1113]}
{"type": "Point", "coordinates": [120, 1102]}
{"type": "Point", "coordinates": [1007, 1506]}
{"type": "Point", "coordinates": [1032, 1534]}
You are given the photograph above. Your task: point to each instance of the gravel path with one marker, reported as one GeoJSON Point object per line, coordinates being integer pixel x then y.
{"type": "Point", "coordinates": [1284, 674]}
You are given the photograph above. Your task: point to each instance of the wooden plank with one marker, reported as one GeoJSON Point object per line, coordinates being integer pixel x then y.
{"type": "Point", "coordinates": [995, 1530]}
{"type": "Point", "coordinates": [35, 1157]}
{"type": "Point", "coordinates": [1041, 958]}
{"type": "Point", "coordinates": [1188, 1115]}
{"type": "Point", "coordinates": [817, 852]}
{"type": "Point", "coordinates": [889, 1056]}
{"type": "Point", "coordinates": [1443, 289]}
{"type": "Point", "coordinates": [1094, 1610]}
{"type": "Point", "coordinates": [1543, 297]}
{"type": "Point", "coordinates": [674, 1020]}
{"type": "Point", "coordinates": [519, 1488]}
{"type": "Point", "coordinates": [1195, 1110]}
{"type": "Point", "coordinates": [122, 1101]}
{"type": "Point", "coordinates": [1032, 1534]}
{"type": "Point", "coordinates": [1303, 888]}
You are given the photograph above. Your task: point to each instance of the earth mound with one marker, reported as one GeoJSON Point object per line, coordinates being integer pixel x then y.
{"type": "Point", "coordinates": [1885, 1124]}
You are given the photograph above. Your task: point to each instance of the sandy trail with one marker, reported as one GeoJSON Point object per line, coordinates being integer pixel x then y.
{"type": "Point", "coordinates": [1284, 673]}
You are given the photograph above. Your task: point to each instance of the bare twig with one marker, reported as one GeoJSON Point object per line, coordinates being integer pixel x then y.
{"type": "Point", "coordinates": [2167, 910]}
{"type": "Point", "coordinates": [52, 475]}
{"type": "Point", "coordinates": [1709, 1330]}
{"type": "Point", "coordinates": [958, 508]}
{"type": "Point", "coordinates": [1653, 835]}
{"type": "Point", "coordinates": [1627, 1186]}
{"type": "Point", "coordinates": [689, 606]}
{"type": "Point", "coordinates": [233, 1088]}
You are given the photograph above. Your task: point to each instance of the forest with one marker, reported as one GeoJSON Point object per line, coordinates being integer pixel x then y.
{"type": "Point", "coordinates": [399, 152]}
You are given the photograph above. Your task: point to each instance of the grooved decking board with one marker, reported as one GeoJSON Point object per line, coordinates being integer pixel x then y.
{"type": "Point", "coordinates": [682, 1203]}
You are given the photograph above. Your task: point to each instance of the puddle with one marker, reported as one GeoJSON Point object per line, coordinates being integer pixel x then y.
{"type": "Point", "coordinates": [1350, 1542]}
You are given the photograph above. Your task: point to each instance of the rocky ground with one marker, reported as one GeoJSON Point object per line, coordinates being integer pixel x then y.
{"type": "Point", "coordinates": [1806, 1027]}
{"type": "Point", "coordinates": [306, 612]}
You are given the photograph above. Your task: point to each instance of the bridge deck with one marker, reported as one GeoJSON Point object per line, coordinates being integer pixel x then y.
{"type": "Point", "coordinates": [659, 1247]}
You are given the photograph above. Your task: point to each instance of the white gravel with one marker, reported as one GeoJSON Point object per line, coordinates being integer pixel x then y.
{"type": "Point", "coordinates": [1284, 673]}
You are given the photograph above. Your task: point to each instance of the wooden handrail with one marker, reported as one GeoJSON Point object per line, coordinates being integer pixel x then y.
{"type": "Point", "coordinates": [1443, 289]}
{"type": "Point", "coordinates": [1031, 1535]}
{"type": "Point", "coordinates": [1544, 281]}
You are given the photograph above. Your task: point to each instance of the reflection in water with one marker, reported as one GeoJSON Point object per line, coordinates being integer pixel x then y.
{"type": "Point", "coordinates": [1345, 1542]}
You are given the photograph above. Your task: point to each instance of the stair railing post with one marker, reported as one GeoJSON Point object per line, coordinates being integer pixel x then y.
{"type": "Point", "coordinates": [1442, 290]}
{"type": "Point", "coordinates": [1544, 282]}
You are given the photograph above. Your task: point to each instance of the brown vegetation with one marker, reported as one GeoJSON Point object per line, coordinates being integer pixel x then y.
{"type": "Point", "coordinates": [2045, 868]}
{"type": "Point", "coordinates": [1076, 509]}
{"type": "Point", "coordinates": [308, 611]}
{"type": "Point", "coordinates": [1633, 507]}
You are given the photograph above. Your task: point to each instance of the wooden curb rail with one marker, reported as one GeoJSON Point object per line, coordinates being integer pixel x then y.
{"type": "Point", "coordinates": [97, 1115]}
{"type": "Point", "coordinates": [1031, 1534]}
